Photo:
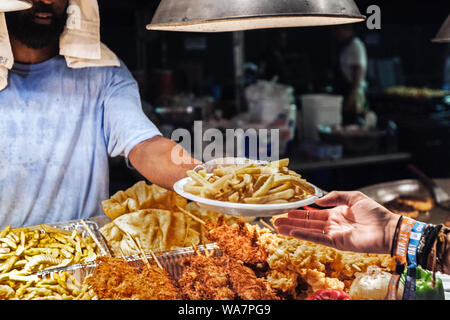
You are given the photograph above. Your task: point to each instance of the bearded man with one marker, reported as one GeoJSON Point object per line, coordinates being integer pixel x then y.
{"type": "Point", "coordinates": [59, 125]}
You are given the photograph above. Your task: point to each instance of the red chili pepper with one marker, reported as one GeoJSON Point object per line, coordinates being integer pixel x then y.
{"type": "Point", "coordinates": [329, 294]}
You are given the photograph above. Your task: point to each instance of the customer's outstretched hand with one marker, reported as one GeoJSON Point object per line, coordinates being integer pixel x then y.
{"type": "Point", "coordinates": [356, 223]}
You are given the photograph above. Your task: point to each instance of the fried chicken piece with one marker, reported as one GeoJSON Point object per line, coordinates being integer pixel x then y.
{"type": "Point", "coordinates": [245, 283]}
{"type": "Point", "coordinates": [237, 242]}
{"type": "Point", "coordinates": [203, 279]}
{"type": "Point", "coordinates": [222, 278]}
{"type": "Point", "coordinates": [116, 279]}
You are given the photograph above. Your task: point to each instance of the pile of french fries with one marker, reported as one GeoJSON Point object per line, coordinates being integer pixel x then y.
{"type": "Point", "coordinates": [250, 183]}
{"type": "Point", "coordinates": [60, 286]}
{"type": "Point", "coordinates": [25, 251]}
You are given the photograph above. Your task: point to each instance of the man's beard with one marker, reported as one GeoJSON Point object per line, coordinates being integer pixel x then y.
{"type": "Point", "coordinates": [35, 36]}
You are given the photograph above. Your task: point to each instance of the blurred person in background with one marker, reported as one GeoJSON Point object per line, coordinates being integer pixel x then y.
{"type": "Point", "coordinates": [350, 60]}
{"type": "Point", "coordinates": [274, 61]}
{"type": "Point", "coordinates": [289, 64]}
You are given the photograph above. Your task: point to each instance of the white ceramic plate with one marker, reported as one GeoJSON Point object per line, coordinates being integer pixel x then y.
{"type": "Point", "coordinates": [244, 209]}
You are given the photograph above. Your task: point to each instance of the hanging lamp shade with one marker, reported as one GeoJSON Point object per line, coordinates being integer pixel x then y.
{"type": "Point", "coordinates": [240, 15]}
{"type": "Point", "coordinates": [444, 33]}
{"type": "Point", "coordinates": [14, 5]}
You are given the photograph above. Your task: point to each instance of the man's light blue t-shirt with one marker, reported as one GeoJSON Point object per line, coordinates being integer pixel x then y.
{"type": "Point", "coordinates": [58, 126]}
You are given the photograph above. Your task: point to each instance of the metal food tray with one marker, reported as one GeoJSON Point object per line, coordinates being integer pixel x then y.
{"type": "Point", "coordinates": [388, 191]}
{"type": "Point", "coordinates": [170, 261]}
{"type": "Point", "coordinates": [79, 227]}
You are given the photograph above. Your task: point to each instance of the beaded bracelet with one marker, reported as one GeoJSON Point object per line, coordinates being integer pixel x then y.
{"type": "Point", "coordinates": [436, 256]}
{"type": "Point", "coordinates": [442, 244]}
{"type": "Point", "coordinates": [429, 237]}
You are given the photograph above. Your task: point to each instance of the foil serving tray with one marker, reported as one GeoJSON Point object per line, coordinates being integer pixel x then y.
{"type": "Point", "coordinates": [388, 191]}
{"type": "Point", "coordinates": [80, 227]}
{"type": "Point", "coordinates": [171, 261]}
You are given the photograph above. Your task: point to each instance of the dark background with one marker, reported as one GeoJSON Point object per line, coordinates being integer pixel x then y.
{"type": "Point", "coordinates": [407, 30]}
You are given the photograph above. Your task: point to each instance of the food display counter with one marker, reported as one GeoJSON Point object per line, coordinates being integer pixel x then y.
{"type": "Point", "coordinates": [153, 244]}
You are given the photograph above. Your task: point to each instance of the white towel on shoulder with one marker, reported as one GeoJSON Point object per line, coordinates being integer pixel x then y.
{"type": "Point", "coordinates": [80, 42]}
{"type": "Point", "coordinates": [6, 55]}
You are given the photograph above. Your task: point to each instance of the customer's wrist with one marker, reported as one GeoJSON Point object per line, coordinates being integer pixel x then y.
{"type": "Point", "coordinates": [391, 232]}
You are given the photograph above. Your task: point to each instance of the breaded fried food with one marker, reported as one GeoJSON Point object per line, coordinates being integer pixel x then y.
{"type": "Point", "coordinates": [222, 278]}
{"type": "Point", "coordinates": [203, 279]}
{"type": "Point", "coordinates": [316, 265]}
{"type": "Point", "coordinates": [298, 255]}
{"type": "Point", "coordinates": [285, 281]}
{"type": "Point", "coordinates": [245, 283]}
{"type": "Point", "coordinates": [348, 264]}
{"type": "Point", "coordinates": [237, 242]}
{"type": "Point", "coordinates": [116, 279]}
